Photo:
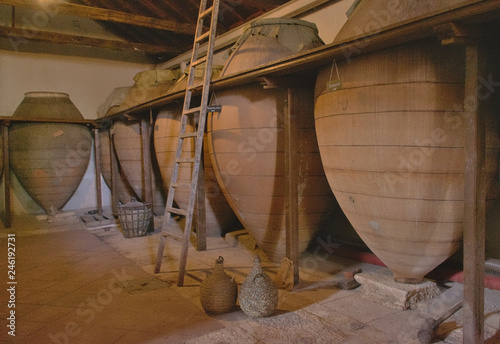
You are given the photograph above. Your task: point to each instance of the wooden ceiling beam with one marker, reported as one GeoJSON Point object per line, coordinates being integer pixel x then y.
{"type": "Point", "coordinates": [17, 35]}
{"type": "Point", "coordinates": [228, 8]}
{"type": "Point", "coordinates": [265, 4]}
{"type": "Point", "coordinates": [59, 7]}
{"type": "Point", "coordinates": [173, 10]}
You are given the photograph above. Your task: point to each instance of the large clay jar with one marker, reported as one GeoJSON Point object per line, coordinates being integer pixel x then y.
{"type": "Point", "coordinates": [49, 159]}
{"type": "Point", "coordinates": [219, 216]}
{"type": "Point", "coordinates": [149, 85]}
{"type": "Point", "coordinates": [124, 190]}
{"type": "Point", "coordinates": [246, 141]}
{"type": "Point", "coordinates": [392, 143]}
{"type": "Point", "coordinates": [128, 144]}
{"type": "Point", "coordinates": [127, 136]}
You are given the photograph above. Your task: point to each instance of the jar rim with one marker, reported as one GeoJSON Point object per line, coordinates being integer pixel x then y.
{"type": "Point", "coordinates": [41, 94]}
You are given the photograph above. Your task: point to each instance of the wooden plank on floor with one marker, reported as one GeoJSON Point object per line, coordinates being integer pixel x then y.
{"type": "Point", "coordinates": [96, 221]}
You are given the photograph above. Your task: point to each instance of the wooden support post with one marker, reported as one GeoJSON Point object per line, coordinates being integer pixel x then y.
{"type": "Point", "coordinates": [147, 167]}
{"type": "Point", "coordinates": [474, 217]}
{"type": "Point", "coordinates": [291, 173]}
{"type": "Point", "coordinates": [115, 174]}
{"type": "Point", "coordinates": [152, 172]}
{"type": "Point", "coordinates": [6, 176]}
{"type": "Point", "coordinates": [474, 183]}
{"type": "Point", "coordinates": [97, 161]}
{"type": "Point", "coordinates": [147, 186]}
{"type": "Point", "coordinates": [201, 225]}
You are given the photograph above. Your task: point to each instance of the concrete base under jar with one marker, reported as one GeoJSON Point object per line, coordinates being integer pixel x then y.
{"type": "Point", "coordinates": [380, 287]}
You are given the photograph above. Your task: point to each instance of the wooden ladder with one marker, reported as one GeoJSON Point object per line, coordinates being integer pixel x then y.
{"type": "Point", "coordinates": [197, 115]}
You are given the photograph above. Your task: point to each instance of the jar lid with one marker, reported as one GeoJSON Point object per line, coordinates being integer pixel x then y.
{"type": "Point", "coordinates": [283, 21]}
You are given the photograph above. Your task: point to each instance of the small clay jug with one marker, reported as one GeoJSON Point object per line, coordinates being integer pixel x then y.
{"type": "Point", "coordinates": [258, 294]}
{"type": "Point", "coordinates": [218, 292]}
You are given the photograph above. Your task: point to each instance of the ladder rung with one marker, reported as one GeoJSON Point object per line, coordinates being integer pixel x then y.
{"type": "Point", "coordinates": [199, 61]}
{"type": "Point", "coordinates": [184, 160]}
{"type": "Point", "coordinates": [206, 12]}
{"type": "Point", "coordinates": [188, 135]}
{"type": "Point", "coordinates": [170, 235]}
{"type": "Point", "coordinates": [202, 37]}
{"type": "Point", "coordinates": [192, 110]}
{"type": "Point", "coordinates": [176, 211]}
{"type": "Point", "coordinates": [180, 185]}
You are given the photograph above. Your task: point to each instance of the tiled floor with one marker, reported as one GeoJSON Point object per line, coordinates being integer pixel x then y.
{"type": "Point", "coordinates": [76, 285]}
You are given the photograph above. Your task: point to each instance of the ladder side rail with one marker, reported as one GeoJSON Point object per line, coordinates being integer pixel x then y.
{"type": "Point", "coordinates": [204, 102]}
{"type": "Point", "coordinates": [199, 140]}
{"type": "Point", "coordinates": [198, 129]}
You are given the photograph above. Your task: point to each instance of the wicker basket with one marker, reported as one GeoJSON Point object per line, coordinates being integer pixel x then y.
{"type": "Point", "coordinates": [135, 218]}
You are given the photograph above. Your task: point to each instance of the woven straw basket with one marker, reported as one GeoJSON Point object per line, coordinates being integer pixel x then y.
{"type": "Point", "coordinates": [258, 294]}
{"type": "Point", "coordinates": [218, 292]}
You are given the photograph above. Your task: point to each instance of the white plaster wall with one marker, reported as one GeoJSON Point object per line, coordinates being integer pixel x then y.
{"type": "Point", "coordinates": [87, 81]}
{"type": "Point", "coordinates": [330, 19]}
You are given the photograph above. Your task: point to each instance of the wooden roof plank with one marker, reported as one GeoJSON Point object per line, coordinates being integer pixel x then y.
{"type": "Point", "coordinates": [105, 15]}
{"type": "Point", "coordinates": [59, 38]}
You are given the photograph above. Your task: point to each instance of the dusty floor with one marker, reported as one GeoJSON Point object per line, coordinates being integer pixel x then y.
{"type": "Point", "coordinates": [76, 285]}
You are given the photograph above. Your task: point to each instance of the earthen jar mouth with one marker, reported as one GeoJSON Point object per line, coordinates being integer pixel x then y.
{"type": "Point", "coordinates": [44, 94]}
{"type": "Point", "coordinates": [283, 21]}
